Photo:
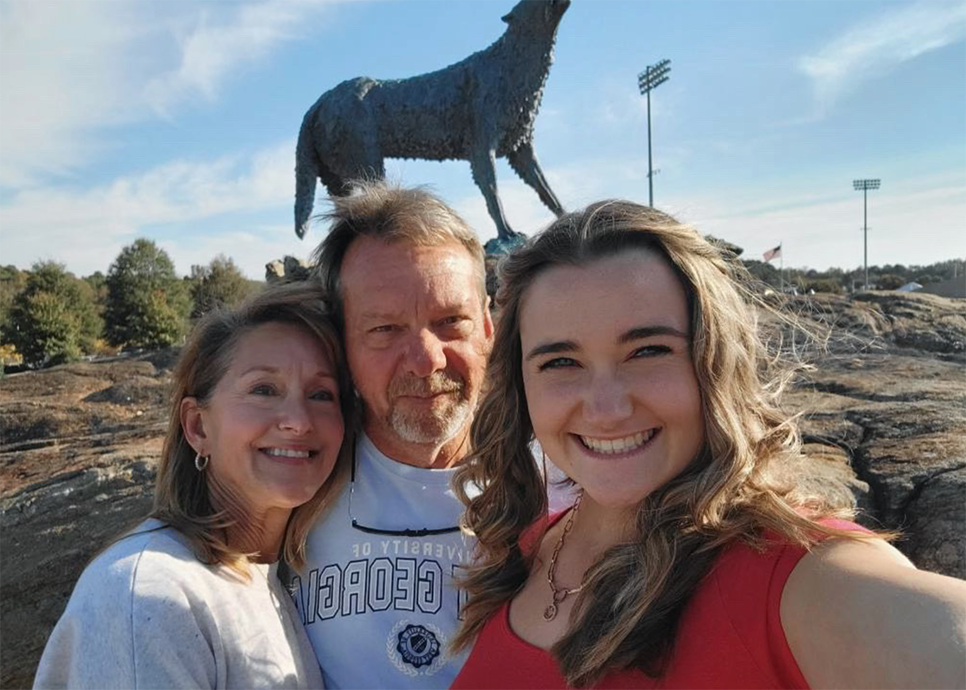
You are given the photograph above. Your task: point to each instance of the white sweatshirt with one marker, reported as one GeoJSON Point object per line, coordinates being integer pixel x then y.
{"type": "Point", "coordinates": [147, 614]}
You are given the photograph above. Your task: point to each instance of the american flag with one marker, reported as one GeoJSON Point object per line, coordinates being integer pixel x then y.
{"type": "Point", "coordinates": [773, 253]}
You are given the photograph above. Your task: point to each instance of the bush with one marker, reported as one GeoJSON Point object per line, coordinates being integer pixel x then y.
{"type": "Point", "coordinates": [147, 304]}
{"type": "Point", "coordinates": [12, 282]}
{"type": "Point", "coordinates": [54, 319]}
{"type": "Point", "coordinates": [219, 284]}
{"type": "Point", "coordinates": [824, 285]}
{"type": "Point", "coordinates": [9, 356]}
{"type": "Point", "coordinates": [890, 281]}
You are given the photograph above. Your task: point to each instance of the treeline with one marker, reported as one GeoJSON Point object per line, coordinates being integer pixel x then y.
{"type": "Point", "coordinates": [837, 280]}
{"type": "Point", "coordinates": [49, 316]}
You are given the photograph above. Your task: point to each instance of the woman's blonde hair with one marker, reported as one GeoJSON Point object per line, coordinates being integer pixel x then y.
{"type": "Point", "coordinates": [627, 613]}
{"type": "Point", "coordinates": [182, 499]}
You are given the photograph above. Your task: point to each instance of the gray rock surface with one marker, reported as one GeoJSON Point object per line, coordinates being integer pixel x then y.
{"type": "Point", "coordinates": [286, 270]}
{"type": "Point", "coordinates": [890, 392]}
{"type": "Point", "coordinates": [77, 455]}
{"type": "Point", "coordinates": [884, 418]}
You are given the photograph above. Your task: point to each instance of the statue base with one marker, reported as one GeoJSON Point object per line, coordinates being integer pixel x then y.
{"type": "Point", "coordinates": [499, 247]}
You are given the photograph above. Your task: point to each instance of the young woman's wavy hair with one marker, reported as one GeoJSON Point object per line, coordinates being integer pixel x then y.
{"type": "Point", "coordinates": [627, 613]}
{"type": "Point", "coordinates": [182, 497]}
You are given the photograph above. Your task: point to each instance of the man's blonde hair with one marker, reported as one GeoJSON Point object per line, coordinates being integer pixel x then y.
{"type": "Point", "coordinates": [389, 213]}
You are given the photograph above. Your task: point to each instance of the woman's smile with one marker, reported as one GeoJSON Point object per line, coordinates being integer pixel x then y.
{"type": "Point", "coordinates": [626, 445]}
{"type": "Point", "coordinates": [609, 380]}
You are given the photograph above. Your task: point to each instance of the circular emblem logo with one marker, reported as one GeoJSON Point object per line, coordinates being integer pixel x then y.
{"type": "Point", "coordinates": [417, 646]}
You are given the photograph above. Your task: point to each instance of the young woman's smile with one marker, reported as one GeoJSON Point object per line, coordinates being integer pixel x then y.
{"type": "Point", "coordinates": [609, 380]}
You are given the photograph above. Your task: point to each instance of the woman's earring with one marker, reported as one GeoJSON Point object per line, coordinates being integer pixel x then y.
{"type": "Point", "coordinates": [201, 462]}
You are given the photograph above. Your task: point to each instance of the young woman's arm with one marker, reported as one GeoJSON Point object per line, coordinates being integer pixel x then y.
{"type": "Point", "coordinates": [857, 614]}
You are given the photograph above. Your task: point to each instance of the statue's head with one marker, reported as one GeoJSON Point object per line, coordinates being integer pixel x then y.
{"type": "Point", "coordinates": [537, 14]}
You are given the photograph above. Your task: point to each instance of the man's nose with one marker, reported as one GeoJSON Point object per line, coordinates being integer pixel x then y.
{"type": "Point", "coordinates": [425, 354]}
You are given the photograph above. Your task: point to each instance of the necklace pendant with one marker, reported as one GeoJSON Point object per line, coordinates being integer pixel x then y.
{"type": "Point", "coordinates": [550, 612]}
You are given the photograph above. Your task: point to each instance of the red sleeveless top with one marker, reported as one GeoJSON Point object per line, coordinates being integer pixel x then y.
{"type": "Point", "coordinates": [729, 636]}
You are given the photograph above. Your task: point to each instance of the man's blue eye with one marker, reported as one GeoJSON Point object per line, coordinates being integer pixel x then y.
{"type": "Point", "coordinates": [263, 389]}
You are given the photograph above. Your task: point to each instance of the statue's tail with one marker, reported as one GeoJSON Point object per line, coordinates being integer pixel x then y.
{"type": "Point", "coordinates": [306, 175]}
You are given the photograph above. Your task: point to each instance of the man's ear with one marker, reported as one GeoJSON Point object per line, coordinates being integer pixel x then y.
{"type": "Point", "coordinates": [193, 425]}
{"type": "Point", "coordinates": [488, 322]}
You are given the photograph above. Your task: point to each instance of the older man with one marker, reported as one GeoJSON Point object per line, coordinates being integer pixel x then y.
{"type": "Point", "coordinates": [407, 277]}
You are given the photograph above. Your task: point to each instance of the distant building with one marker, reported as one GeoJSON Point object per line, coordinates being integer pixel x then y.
{"type": "Point", "coordinates": [954, 287]}
{"type": "Point", "coordinates": [910, 287]}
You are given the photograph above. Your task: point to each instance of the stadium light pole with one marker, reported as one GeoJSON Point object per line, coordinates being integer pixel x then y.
{"type": "Point", "coordinates": [864, 186]}
{"type": "Point", "coordinates": [648, 80]}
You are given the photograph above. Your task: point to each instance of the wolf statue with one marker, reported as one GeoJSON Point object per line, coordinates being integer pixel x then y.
{"type": "Point", "coordinates": [476, 110]}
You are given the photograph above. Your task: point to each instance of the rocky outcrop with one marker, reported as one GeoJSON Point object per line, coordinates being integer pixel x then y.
{"type": "Point", "coordinates": [77, 459]}
{"type": "Point", "coordinates": [286, 270]}
{"type": "Point", "coordinates": [889, 391]}
{"type": "Point", "coordinates": [883, 414]}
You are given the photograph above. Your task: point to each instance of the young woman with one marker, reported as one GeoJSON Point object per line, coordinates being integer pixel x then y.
{"type": "Point", "coordinates": [190, 598]}
{"type": "Point", "coordinates": [627, 347]}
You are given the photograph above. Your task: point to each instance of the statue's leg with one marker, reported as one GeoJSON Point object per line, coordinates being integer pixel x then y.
{"type": "Point", "coordinates": [359, 154]}
{"type": "Point", "coordinates": [372, 165]}
{"type": "Point", "coordinates": [483, 166]}
{"type": "Point", "coordinates": [524, 163]}
{"type": "Point", "coordinates": [335, 185]}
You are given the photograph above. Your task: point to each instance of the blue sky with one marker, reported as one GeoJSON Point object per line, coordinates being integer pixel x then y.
{"type": "Point", "coordinates": [176, 120]}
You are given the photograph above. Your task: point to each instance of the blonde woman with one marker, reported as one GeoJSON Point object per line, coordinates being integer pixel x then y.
{"type": "Point", "coordinates": [190, 598]}
{"type": "Point", "coordinates": [625, 345]}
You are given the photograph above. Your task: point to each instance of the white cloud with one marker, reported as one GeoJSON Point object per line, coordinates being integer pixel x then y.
{"type": "Point", "coordinates": [86, 228]}
{"type": "Point", "coordinates": [621, 105]}
{"type": "Point", "coordinates": [913, 223]}
{"type": "Point", "coordinates": [60, 79]}
{"type": "Point", "coordinates": [624, 107]}
{"type": "Point", "coordinates": [873, 49]}
{"type": "Point", "coordinates": [71, 70]}
{"type": "Point", "coordinates": [222, 38]}
{"type": "Point", "coordinates": [250, 250]}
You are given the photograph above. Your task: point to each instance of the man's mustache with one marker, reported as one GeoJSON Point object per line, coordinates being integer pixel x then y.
{"type": "Point", "coordinates": [434, 384]}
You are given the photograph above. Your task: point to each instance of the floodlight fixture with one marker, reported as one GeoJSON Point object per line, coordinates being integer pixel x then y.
{"type": "Point", "coordinates": [648, 80]}
{"type": "Point", "coordinates": [864, 186]}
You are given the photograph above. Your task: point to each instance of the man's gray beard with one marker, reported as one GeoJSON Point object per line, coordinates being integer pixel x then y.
{"type": "Point", "coordinates": [435, 428]}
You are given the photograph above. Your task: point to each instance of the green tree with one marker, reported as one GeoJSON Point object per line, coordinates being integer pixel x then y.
{"type": "Point", "coordinates": [927, 278]}
{"type": "Point", "coordinates": [98, 283]}
{"type": "Point", "coordinates": [763, 271]}
{"type": "Point", "coordinates": [219, 284]}
{"type": "Point", "coordinates": [12, 281]}
{"type": "Point", "coordinates": [147, 304]}
{"type": "Point", "coordinates": [891, 281]}
{"type": "Point", "coordinates": [829, 285]}
{"type": "Point", "coordinates": [54, 318]}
